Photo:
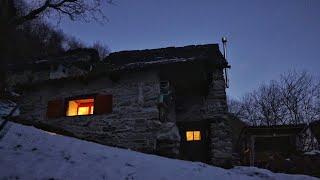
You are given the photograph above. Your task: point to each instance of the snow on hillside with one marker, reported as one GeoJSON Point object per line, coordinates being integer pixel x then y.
{"type": "Point", "coordinates": [29, 153]}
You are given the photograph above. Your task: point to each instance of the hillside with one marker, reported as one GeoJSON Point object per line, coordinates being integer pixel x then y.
{"type": "Point", "coordinates": [30, 153]}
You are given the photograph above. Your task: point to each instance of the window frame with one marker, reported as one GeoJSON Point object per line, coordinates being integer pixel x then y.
{"type": "Point", "coordinates": [193, 132]}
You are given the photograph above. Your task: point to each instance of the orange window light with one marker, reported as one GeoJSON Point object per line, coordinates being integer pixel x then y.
{"type": "Point", "coordinates": [196, 135]}
{"type": "Point", "coordinates": [193, 135]}
{"type": "Point", "coordinates": [189, 135]}
{"type": "Point", "coordinates": [80, 107]}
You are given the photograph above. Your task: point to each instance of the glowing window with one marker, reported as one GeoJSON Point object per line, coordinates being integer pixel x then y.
{"type": "Point", "coordinates": [193, 135]}
{"type": "Point", "coordinates": [80, 107]}
{"type": "Point", "coordinates": [196, 135]}
{"type": "Point", "coordinates": [189, 135]}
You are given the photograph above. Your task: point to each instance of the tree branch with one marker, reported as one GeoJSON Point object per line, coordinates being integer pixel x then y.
{"type": "Point", "coordinates": [72, 8]}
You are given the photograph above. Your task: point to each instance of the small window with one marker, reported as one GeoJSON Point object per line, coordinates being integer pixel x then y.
{"type": "Point", "coordinates": [193, 135]}
{"type": "Point", "coordinates": [164, 87]}
{"type": "Point", "coordinates": [79, 107]}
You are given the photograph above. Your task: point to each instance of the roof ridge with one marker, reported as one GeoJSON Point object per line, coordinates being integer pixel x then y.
{"type": "Point", "coordinates": [167, 47]}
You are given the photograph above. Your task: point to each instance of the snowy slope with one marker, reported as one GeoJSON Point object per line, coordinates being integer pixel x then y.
{"type": "Point", "coordinates": [29, 153]}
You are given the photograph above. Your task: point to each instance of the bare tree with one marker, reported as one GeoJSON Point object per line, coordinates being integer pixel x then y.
{"type": "Point", "coordinates": [102, 49]}
{"type": "Point", "coordinates": [73, 43]}
{"type": "Point", "coordinates": [14, 13]}
{"type": "Point", "coordinates": [245, 109]}
{"type": "Point", "coordinates": [268, 102]}
{"type": "Point", "coordinates": [293, 99]}
{"type": "Point", "coordinates": [234, 107]}
{"type": "Point", "coordinates": [299, 95]}
{"type": "Point", "coordinates": [74, 9]}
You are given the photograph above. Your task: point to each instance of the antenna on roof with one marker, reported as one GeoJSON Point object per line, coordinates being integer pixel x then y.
{"type": "Point", "coordinates": [224, 44]}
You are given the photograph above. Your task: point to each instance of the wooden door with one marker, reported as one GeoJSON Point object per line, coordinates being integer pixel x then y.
{"type": "Point", "coordinates": [194, 144]}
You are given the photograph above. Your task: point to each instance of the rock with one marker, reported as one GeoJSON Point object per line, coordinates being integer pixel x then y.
{"type": "Point", "coordinates": [168, 140]}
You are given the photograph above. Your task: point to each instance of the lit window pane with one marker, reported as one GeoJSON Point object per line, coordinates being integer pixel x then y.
{"type": "Point", "coordinates": [196, 135]}
{"type": "Point", "coordinates": [189, 135]}
{"type": "Point", "coordinates": [83, 110]}
{"type": "Point", "coordinates": [91, 110]}
{"type": "Point", "coordinates": [80, 107]}
{"type": "Point", "coordinates": [72, 108]}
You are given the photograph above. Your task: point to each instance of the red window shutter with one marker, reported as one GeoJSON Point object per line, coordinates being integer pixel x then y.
{"type": "Point", "coordinates": [103, 104]}
{"type": "Point", "coordinates": [55, 108]}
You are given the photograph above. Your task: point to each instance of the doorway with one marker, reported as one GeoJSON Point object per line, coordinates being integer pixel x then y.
{"type": "Point", "coordinates": [194, 145]}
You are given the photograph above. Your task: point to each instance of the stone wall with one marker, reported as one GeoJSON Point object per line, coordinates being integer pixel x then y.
{"type": "Point", "coordinates": [37, 76]}
{"type": "Point", "coordinates": [27, 76]}
{"type": "Point", "coordinates": [220, 127]}
{"type": "Point", "coordinates": [221, 142]}
{"type": "Point", "coordinates": [212, 109]}
{"type": "Point", "coordinates": [190, 108]}
{"type": "Point", "coordinates": [134, 122]}
{"type": "Point", "coordinates": [216, 101]}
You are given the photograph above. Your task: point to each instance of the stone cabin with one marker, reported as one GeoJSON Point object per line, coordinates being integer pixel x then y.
{"type": "Point", "coordinates": [168, 101]}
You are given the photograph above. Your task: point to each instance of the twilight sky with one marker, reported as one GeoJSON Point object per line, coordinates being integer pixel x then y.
{"type": "Point", "coordinates": [266, 37]}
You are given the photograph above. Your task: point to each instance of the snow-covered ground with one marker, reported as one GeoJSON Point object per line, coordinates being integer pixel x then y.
{"type": "Point", "coordinates": [30, 153]}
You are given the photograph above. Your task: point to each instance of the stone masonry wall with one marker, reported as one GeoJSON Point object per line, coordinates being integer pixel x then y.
{"type": "Point", "coordinates": [134, 122]}
{"type": "Point", "coordinates": [221, 142]}
{"type": "Point", "coordinates": [220, 129]}
{"type": "Point", "coordinates": [216, 102]}
{"type": "Point", "coordinates": [36, 76]}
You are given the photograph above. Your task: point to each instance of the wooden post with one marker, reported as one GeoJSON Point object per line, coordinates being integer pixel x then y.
{"type": "Point", "coordinates": [252, 141]}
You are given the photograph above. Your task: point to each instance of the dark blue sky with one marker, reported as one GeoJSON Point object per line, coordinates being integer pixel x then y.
{"type": "Point", "coordinates": [266, 37]}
